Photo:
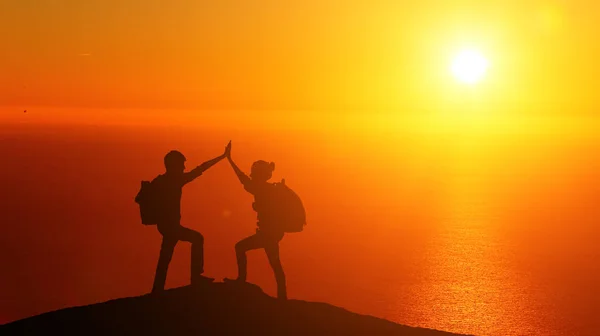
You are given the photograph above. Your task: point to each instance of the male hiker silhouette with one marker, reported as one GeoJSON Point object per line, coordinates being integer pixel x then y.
{"type": "Point", "coordinates": [166, 190]}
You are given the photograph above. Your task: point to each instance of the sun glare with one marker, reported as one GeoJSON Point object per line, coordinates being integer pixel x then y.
{"type": "Point", "coordinates": [469, 66]}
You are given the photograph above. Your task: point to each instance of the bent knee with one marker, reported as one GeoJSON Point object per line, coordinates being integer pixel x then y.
{"type": "Point", "coordinates": [198, 238]}
{"type": "Point", "coordinates": [240, 247]}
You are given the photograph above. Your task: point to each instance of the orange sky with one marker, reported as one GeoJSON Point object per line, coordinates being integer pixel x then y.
{"type": "Point", "coordinates": [295, 54]}
{"type": "Point", "coordinates": [127, 62]}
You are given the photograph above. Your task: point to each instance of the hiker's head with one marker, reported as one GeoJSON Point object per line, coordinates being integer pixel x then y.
{"type": "Point", "coordinates": [262, 170]}
{"type": "Point", "coordinates": [175, 162]}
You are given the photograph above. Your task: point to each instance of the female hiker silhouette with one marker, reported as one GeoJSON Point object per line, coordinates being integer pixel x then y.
{"type": "Point", "coordinates": [269, 231]}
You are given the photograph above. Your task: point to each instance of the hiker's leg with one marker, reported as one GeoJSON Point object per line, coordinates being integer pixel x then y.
{"type": "Point", "coordinates": [272, 250]}
{"type": "Point", "coordinates": [166, 253]}
{"type": "Point", "coordinates": [251, 243]}
{"type": "Point", "coordinates": [197, 240]}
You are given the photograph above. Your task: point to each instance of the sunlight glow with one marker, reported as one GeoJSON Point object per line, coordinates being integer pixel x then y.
{"type": "Point", "coordinates": [469, 66]}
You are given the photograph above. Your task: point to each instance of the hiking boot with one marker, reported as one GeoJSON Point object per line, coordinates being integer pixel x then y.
{"type": "Point", "coordinates": [201, 279]}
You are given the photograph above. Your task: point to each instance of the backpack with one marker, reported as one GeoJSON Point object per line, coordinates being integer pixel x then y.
{"type": "Point", "coordinates": [288, 208]}
{"type": "Point", "coordinates": [148, 200]}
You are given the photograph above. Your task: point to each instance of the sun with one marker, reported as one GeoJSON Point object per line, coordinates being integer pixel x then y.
{"type": "Point", "coordinates": [469, 66]}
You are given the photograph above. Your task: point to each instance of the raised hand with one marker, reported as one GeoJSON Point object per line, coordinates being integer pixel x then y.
{"type": "Point", "coordinates": [227, 152]}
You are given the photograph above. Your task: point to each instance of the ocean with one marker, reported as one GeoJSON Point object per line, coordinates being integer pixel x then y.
{"type": "Point", "coordinates": [465, 230]}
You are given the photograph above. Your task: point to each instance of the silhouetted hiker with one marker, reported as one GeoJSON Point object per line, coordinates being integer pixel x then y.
{"type": "Point", "coordinates": [160, 203]}
{"type": "Point", "coordinates": [278, 209]}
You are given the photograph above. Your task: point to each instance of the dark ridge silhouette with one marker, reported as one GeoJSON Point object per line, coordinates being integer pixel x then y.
{"type": "Point", "coordinates": [209, 309]}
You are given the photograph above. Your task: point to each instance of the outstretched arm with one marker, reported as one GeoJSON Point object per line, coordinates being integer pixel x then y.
{"type": "Point", "coordinates": [246, 181]}
{"type": "Point", "coordinates": [240, 174]}
{"type": "Point", "coordinates": [194, 173]}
